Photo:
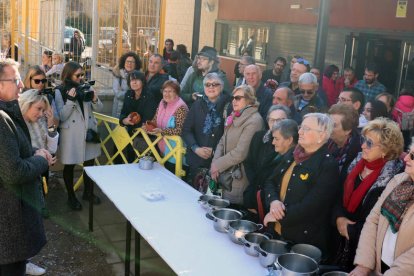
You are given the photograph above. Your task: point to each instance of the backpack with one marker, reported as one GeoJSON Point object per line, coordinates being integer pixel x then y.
{"type": "Point", "coordinates": [405, 119]}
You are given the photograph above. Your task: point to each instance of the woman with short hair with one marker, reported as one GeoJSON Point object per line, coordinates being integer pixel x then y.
{"type": "Point", "coordinates": [368, 174]}
{"type": "Point", "coordinates": [233, 147]}
{"type": "Point", "coordinates": [345, 142]}
{"type": "Point", "coordinates": [302, 191]}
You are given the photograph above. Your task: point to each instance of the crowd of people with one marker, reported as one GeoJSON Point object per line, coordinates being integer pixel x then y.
{"type": "Point", "coordinates": [318, 158]}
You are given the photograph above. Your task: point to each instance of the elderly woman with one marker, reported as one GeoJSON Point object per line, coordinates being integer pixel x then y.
{"type": "Point", "coordinates": [345, 140]}
{"type": "Point", "coordinates": [302, 191]}
{"type": "Point", "coordinates": [204, 125]}
{"type": "Point", "coordinates": [232, 150]}
{"type": "Point", "coordinates": [79, 140]}
{"type": "Point", "coordinates": [128, 62]}
{"type": "Point", "coordinates": [368, 174]}
{"type": "Point", "coordinates": [169, 117]}
{"type": "Point", "coordinates": [261, 161]}
{"type": "Point", "coordinates": [386, 245]}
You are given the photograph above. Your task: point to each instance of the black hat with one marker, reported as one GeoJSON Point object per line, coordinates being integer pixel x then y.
{"type": "Point", "coordinates": [209, 52]}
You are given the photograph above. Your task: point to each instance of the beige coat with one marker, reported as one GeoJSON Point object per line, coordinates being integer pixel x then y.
{"type": "Point", "coordinates": [238, 139]}
{"type": "Point", "coordinates": [370, 243]}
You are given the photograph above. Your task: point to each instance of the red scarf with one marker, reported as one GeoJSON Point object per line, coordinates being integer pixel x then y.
{"type": "Point", "coordinates": [300, 155]}
{"type": "Point", "coordinates": [353, 197]}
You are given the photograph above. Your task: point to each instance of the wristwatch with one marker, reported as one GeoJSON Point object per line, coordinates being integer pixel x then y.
{"type": "Point", "coordinates": [52, 128]}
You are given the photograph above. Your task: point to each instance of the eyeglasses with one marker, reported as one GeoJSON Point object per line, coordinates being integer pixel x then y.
{"type": "Point", "coordinates": [214, 84]}
{"type": "Point", "coordinates": [302, 61]}
{"type": "Point", "coordinates": [344, 100]}
{"type": "Point", "coordinates": [306, 129]}
{"type": "Point", "coordinates": [368, 142]}
{"type": "Point", "coordinates": [79, 75]}
{"type": "Point", "coordinates": [237, 98]}
{"type": "Point", "coordinates": [16, 81]}
{"type": "Point", "coordinates": [130, 61]}
{"type": "Point", "coordinates": [307, 92]}
{"type": "Point", "coordinates": [37, 81]}
{"type": "Point", "coordinates": [411, 155]}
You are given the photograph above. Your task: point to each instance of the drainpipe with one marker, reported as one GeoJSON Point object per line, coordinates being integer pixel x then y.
{"type": "Point", "coordinates": [322, 34]}
{"type": "Point", "coordinates": [196, 28]}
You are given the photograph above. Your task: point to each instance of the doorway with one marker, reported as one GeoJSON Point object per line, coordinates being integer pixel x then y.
{"type": "Point", "coordinates": [392, 56]}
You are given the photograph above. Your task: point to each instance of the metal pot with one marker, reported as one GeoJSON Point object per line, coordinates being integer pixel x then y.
{"type": "Point", "coordinates": [222, 218]}
{"type": "Point", "coordinates": [239, 228]}
{"type": "Point", "coordinates": [252, 240]}
{"type": "Point", "coordinates": [217, 203]}
{"type": "Point", "coordinates": [335, 273]}
{"type": "Point", "coordinates": [292, 264]}
{"type": "Point", "coordinates": [146, 163]}
{"type": "Point", "coordinates": [307, 250]}
{"type": "Point", "coordinates": [204, 198]}
{"type": "Point", "coordinates": [269, 250]}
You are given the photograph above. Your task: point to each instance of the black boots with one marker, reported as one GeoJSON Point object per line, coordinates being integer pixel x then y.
{"type": "Point", "coordinates": [74, 204]}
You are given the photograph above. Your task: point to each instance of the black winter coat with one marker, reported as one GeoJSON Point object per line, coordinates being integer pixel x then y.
{"type": "Point", "coordinates": [145, 106]}
{"type": "Point", "coordinates": [312, 191]}
{"type": "Point", "coordinates": [154, 86]}
{"type": "Point", "coordinates": [258, 166]}
{"type": "Point", "coordinates": [21, 226]}
{"type": "Point", "coordinates": [193, 131]}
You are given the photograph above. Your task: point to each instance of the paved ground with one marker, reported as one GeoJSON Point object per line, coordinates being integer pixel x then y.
{"type": "Point", "coordinates": [72, 250]}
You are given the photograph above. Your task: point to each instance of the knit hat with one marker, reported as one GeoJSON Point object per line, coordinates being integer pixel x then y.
{"type": "Point", "coordinates": [209, 52]}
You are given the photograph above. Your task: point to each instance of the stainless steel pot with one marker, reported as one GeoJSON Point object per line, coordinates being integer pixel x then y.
{"type": "Point", "coordinates": [222, 218]}
{"type": "Point", "coordinates": [217, 203]}
{"type": "Point", "coordinates": [252, 240]}
{"type": "Point", "coordinates": [204, 198]}
{"type": "Point", "coordinates": [146, 163]}
{"type": "Point", "coordinates": [292, 264]}
{"type": "Point", "coordinates": [269, 250]}
{"type": "Point", "coordinates": [239, 228]}
{"type": "Point", "coordinates": [307, 250]}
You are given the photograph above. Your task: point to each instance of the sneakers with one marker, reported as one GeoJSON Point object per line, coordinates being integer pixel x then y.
{"type": "Point", "coordinates": [32, 269]}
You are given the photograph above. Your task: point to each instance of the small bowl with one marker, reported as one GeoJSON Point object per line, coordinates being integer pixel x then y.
{"type": "Point", "coordinates": [203, 199]}
{"type": "Point", "coordinates": [217, 203]}
{"type": "Point", "coordinates": [146, 163]}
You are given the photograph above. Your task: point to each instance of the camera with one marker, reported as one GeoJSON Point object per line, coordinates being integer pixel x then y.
{"type": "Point", "coordinates": [47, 91]}
{"type": "Point", "coordinates": [82, 92]}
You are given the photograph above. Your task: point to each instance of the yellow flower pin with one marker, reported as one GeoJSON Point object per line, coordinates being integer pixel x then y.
{"type": "Point", "coordinates": [304, 176]}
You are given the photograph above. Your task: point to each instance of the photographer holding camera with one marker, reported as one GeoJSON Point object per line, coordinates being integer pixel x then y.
{"type": "Point", "coordinates": [79, 138]}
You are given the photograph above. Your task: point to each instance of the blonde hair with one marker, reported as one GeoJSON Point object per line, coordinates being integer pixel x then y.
{"type": "Point", "coordinates": [58, 55]}
{"type": "Point", "coordinates": [30, 97]}
{"type": "Point", "coordinates": [249, 94]}
{"type": "Point", "coordinates": [389, 135]}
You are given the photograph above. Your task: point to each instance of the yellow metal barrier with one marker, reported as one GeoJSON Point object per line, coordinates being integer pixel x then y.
{"type": "Point", "coordinates": [117, 137]}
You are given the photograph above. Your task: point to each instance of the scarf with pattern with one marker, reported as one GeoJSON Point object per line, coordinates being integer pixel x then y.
{"type": "Point", "coordinates": [213, 119]}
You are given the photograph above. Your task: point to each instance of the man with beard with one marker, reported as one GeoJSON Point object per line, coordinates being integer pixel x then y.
{"type": "Point", "coordinates": [276, 72]}
{"type": "Point", "coordinates": [370, 86]}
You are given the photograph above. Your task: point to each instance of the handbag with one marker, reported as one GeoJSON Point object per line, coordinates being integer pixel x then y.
{"type": "Point", "coordinates": [226, 178]}
{"type": "Point", "coordinates": [344, 257]}
{"type": "Point", "coordinates": [92, 136]}
{"type": "Point", "coordinates": [201, 180]}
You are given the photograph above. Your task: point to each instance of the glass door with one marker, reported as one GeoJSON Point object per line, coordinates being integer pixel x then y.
{"type": "Point", "coordinates": [406, 72]}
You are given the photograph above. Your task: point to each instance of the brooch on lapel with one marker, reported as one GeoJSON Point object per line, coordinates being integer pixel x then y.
{"type": "Point", "coordinates": [304, 176]}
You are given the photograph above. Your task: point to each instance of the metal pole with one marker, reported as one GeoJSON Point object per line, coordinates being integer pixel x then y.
{"type": "Point", "coordinates": [322, 34]}
{"type": "Point", "coordinates": [95, 36]}
{"type": "Point", "coordinates": [196, 28]}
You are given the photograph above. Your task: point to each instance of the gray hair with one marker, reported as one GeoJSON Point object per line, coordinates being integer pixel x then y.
{"type": "Point", "coordinates": [248, 59]}
{"type": "Point", "coordinates": [308, 78]}
{"type": "Point", "coordinates": [287, 128]}
{"type": "Point", "coordinates": [279, 107]}
{"type": "Point", "coordinates": [30, 97]}
{"type": "Point", "coordinates": [213, 76]}
{"type": "Point", "coordinates": [291, 95]}
{"type": "Point", "coordinates": [324, 121]}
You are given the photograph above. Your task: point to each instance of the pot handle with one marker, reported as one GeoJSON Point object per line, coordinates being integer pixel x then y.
{"type": "Point", "coordinates": [270, 236]}
{"type": "Point", "coordinates": [243, 241]}
{"type": "Point", "coordinates": [210, 217]}
{"type": "Point", "coordinates": [264, 254]}
{"type": "Point", "coordinates": [259, 226]}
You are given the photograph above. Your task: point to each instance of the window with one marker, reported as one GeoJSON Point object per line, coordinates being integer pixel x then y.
{"type": "Point", "coordinates": [234, 39]}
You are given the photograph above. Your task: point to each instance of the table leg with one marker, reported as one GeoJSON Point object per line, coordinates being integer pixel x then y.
{"type": "Point", "coordinates": [91, 208]}
{"type": "Point", "coordinates": [128, 248]}
{"type": "Point", "coordinates": [137, 253]}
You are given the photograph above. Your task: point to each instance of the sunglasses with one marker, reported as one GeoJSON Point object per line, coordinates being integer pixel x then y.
{"type": "Point", "coordinates": [37, 81]}
{"type": "Point", "coordinates": [215, 84]}
{"type": "Point", "coordinates": [302, 61]}
{"type": "Point", "coordinates": [367, 142]}
{"type": "Point", "coordinates": [307, 92]}
{"type": "Point", "coordinates": [237, 98]}
{"type": "Point", "coordinates": [79, 75]}
{"type": "Point", "coordinates": [411, 154]}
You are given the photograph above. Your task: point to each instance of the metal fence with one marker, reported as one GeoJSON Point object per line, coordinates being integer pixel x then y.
{"type": "Point", "coordinates": [109, 29]}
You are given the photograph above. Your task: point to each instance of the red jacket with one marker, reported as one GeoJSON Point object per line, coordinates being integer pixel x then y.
{"type": "Point", "coordinates": [331, 91]}
{"type": "Point", "coordinates": [405, 103]}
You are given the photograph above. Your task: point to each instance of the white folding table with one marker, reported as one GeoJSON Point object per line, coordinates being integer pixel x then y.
{"type": "Point", "coordinates": [176, 227]}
